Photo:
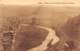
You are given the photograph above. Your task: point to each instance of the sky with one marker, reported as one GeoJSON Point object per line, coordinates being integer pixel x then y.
{"type": "Point", "coordinates": [51, 2]}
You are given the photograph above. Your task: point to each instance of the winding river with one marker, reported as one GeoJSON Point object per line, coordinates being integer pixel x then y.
{"type": "Point", "coordinates": [51, 36]}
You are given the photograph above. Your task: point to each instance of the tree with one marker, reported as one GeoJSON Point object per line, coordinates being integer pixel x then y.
{"type": "Point", "coordinates": [10, 25]}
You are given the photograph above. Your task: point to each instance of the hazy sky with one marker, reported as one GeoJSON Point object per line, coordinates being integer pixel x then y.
{"type": "Point", "coordinates": [25, 2]}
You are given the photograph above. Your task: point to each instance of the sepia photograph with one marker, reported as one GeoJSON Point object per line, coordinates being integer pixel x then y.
{"type": "Point", "coordinates": [29, 25]}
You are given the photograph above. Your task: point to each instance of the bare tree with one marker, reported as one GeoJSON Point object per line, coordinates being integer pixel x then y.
{"type": "Point", "coordinates": [10, 25]}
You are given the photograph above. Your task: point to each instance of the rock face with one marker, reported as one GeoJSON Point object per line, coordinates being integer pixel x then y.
{"type": "Point", "coordinates": [69, 34]}
{"type": "Point", "coordinates": [72, 28]}
{"type": "Point", "coordinates": [69, 31]}
{"type": "Point", "coordinates": [28, 37]}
